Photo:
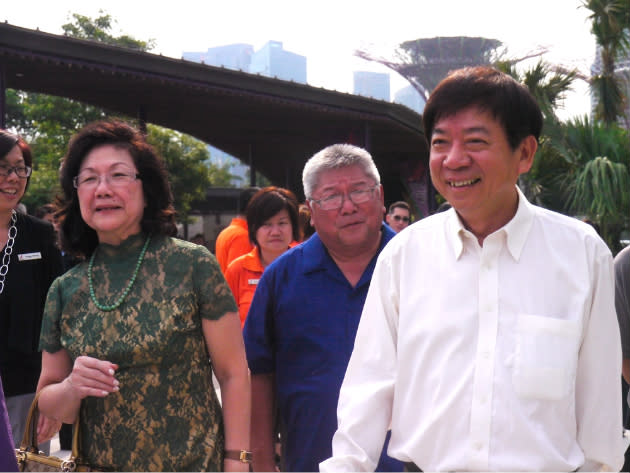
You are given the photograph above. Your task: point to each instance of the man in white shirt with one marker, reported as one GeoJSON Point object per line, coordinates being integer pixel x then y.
{"type": "Point", "coordinates": [488, 339]}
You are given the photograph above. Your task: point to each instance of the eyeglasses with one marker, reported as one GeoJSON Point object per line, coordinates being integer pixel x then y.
{"type": "Point", "coordinates": [335, 201]}
{"type": "Point", "coordinates": [398, 218]}
{"type": "Point", "coordinates": [20, 171]}
{"type": "Point", "coordinates": [115, 179]}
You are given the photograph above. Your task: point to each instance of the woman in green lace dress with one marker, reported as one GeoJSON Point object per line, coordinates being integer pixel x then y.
{"type": "Point", "coordinates": [131, 336]}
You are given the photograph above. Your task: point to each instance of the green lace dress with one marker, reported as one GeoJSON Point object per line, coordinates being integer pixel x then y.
{"type": "Point", "coordinates": [166, 416]}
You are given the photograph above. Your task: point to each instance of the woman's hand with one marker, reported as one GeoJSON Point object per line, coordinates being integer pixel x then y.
{"type": "Point", "coordinates": [47, 428]}
{"type": "Point", "coordinates": [62, 392]}
{"type": "Point", "coordinates": [92, 377]}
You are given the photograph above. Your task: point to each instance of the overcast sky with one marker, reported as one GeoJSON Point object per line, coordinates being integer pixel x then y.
{"type": "Point", "coordinates": [327, 32]}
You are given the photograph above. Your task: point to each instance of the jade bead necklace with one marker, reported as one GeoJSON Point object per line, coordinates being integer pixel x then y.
{"type": "Point", "coordinates": [115, 305]}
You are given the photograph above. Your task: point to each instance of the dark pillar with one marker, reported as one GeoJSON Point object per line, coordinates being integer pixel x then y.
{"type": "Point", "coordinates": [367, 137]}
{"type": "Point", "coordinates": [252, 169]}
{"type": "Point", "coordinates": [142, 119]}
{"type": "Point", "coordinates": [3, 98]}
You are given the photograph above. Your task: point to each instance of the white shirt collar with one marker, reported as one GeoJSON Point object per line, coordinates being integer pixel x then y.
{"type": "Point", "coordinates": [516, 230]}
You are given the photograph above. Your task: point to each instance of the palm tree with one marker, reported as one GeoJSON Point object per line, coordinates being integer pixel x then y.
{"type": "Point", "coordinates": [611, 28]}
{"type": "Point", "coordinates": [596, 182]}
{"type": "Point", "coordinates": [549, 86]}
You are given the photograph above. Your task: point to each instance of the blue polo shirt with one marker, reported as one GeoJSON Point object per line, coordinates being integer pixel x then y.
{"type": "Point", "coordinates": [301, 326]}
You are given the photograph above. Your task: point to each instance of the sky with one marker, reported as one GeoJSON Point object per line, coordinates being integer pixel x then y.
{"type": "Point", "coordinates": [328, 32]}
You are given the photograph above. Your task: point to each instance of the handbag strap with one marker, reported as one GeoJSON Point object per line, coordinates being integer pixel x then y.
{"type": "Point", "coordinates": [29, 439]}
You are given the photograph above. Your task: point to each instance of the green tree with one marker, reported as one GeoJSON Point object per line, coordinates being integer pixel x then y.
{"type": "Point", "coordinates": [596, 180]}
{"type": "Point", "coordinates": [611, 28]}
{"type": "Point", "coordinates": [550, 87]}
{"type": "Point", "coordinates": [185, 159]}
{"type": "Point", "coordinates": [46, 122]}
{"type": "Point", "coordinates": [98, 29]}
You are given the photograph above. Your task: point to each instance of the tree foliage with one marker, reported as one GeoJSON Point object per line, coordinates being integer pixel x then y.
{"type": "Point", "coordinates": [596, 179]}
{"type": "Point", "coordinates": [98, 29]}
{"type": "Point", "coordinates": [47, 123]}
{"type": "Point", "coordinates": [550, 88]}
{"type": "Point", "coordinates": [610, 24]}
{"type": "Point", "coordinates": [185, 160]}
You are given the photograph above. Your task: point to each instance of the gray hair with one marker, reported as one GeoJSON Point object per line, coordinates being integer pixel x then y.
{"type": "Point", "coordinates": [336, 157]}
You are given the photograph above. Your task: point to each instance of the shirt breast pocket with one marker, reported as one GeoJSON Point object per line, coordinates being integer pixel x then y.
{"type": "Point", "coordinates": [546, 353]}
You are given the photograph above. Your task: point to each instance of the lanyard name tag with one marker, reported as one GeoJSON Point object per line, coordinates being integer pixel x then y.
{"type": "Point", "coordinates": [29, 256]}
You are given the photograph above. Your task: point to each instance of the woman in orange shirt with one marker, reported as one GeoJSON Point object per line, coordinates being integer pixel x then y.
{"type": "Point", "coordinates": [272, 221]}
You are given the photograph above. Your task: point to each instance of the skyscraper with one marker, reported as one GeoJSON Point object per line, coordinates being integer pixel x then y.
{"type": "Point", "coordinates": [411, 98]}
{"type": "Point", "coordinates": [372, 84]}
{"type": "Point", "coordinates": [273, 61]}
{"type": "Point", "coordinates": [232, 56]}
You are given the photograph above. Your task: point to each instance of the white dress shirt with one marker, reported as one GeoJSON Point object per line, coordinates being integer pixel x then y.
{"type": "Point", "coordinates": [505, 356]}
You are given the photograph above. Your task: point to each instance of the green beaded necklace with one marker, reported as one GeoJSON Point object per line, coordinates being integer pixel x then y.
{"type": "Point", "coordinates": [115, 305]}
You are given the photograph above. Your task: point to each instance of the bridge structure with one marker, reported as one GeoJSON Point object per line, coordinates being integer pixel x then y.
{"type": "Point", "coordinates": [270, 124]}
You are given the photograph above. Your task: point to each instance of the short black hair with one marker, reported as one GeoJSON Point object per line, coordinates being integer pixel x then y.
{"type": "Point", "coordinates": [399, 204]}
{"type": "Point", "coordinates": [507, 100]}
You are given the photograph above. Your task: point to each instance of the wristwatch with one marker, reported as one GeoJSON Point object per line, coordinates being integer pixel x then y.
{"type": "Point", "coordinates": [241, 455]}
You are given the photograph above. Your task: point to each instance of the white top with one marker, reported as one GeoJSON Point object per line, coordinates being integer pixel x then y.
{"type": "Point", "coordinates": [502, 357]}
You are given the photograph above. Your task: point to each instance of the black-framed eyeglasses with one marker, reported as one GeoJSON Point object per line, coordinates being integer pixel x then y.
{"type": "Point", "coordinates": [335, 201]}
{"type": "Point", "coordinates": [20, 171]}
{"type": "Point", "coordinates": [398, 218]}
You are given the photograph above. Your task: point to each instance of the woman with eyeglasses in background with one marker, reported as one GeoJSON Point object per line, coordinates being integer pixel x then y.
{"type": "Point", "coordinates": [131, 335]}
{"type": "Point", "coordinates": [29, 262]}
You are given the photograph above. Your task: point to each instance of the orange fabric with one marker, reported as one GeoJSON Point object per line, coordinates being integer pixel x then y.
{"type": "Point", "coordinates": [232, 242]}
{"type": "Point", "coordinates": [243, 275]}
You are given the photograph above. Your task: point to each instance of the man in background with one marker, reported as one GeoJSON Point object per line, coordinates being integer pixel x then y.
{"type": "Point", "coordinates": [399, 216]}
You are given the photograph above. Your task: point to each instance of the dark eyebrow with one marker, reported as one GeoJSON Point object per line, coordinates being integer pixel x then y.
{"type": "Point", "coordinates": [477, 129]}
{"type": "Point", "coordinates": [473, 129]}
{"type": "Point", "coordinates": [438, 131]}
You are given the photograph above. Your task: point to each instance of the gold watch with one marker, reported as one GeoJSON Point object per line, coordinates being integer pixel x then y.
{"type": "Point", "coordinates": [243, 456]}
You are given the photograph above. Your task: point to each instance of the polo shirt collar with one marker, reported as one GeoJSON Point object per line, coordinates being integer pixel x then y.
{"type": "Point", "coordinates": [251, 261]}
{"type": "Point", "coordinates": [516, 230]}
{"type": "Point", "coordinates": [316, 257]}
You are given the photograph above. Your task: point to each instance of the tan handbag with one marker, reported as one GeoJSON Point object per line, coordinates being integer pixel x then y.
{"type": "Point", "coordinates": [29, 458]}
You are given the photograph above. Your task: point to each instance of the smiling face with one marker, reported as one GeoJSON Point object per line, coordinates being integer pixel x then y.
{"type": "Point", "coordinates": [353, 228]}
{"type": "Point", "coordinates": [12, 187]}
{"type": "Point", "coordinates": [474, 168]}
{"type": "Point", "coordinates": [113, 211]}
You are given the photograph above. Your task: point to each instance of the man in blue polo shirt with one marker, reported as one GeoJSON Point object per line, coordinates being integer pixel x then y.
{"type": "Point", "coordinates": [300, 329]}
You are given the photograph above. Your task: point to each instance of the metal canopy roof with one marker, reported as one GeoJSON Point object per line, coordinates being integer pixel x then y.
{"type": "Point", "coordinates": [272, 124]}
